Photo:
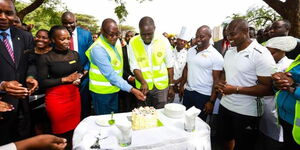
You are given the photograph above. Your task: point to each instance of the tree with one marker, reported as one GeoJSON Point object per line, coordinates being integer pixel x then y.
{"type": "Point", "coordinates": [127, 28]}
{"type": "Point", "coordinates": [47, 16]}
{"type": "Point", "coordinates": [43, 17]}
{"type": "Point", "coordinates": [34, 5]}
{"type": "Point", "coordinates": [289, 10]}
{"type": "Point", "coordinates": [121, 10]}
{"type": "Point", "coordinates": [258, 17]}
{"type": "Point", "coordinates": [87, 21]}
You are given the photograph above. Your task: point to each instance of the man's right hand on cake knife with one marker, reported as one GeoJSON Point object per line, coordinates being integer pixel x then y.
{"type": "Point", "coordinates": [138, 94]}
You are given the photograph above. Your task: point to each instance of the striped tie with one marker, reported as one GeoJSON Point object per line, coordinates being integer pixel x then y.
{"type": "Point", "coordinates": [7, 45]}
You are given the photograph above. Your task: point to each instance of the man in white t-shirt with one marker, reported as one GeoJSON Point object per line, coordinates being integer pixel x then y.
{"type": "Point", "coordinates": [202, 71]}
{"type": "Point", "coordinates": [248, 67]}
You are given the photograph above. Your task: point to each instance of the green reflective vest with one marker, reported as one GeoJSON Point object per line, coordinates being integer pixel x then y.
{"type": "Point", "coordinates": [157, 74]}
{"type": "Point", "coordinates": [98, 83]}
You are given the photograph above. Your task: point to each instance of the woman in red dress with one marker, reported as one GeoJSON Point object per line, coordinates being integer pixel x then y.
{"type": "Point", "coordinates": [60, 73]}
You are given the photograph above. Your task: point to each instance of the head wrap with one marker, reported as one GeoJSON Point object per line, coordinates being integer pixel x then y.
{"type": "Point", "coordinates": [283, 43]}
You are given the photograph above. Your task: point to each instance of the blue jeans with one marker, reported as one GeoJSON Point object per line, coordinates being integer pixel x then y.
{"type": "Point", "coordinates": [105, 103]}
{"type": "Point", "coordinates": [193, 98]}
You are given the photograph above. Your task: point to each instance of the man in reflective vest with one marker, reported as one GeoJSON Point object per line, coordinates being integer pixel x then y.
{"type": "Point", "coordinates": [150, 58]}
{"type": "Point", "coordinates": [288, 103]}
{"type": "Point", "coordinates": [106, 69]}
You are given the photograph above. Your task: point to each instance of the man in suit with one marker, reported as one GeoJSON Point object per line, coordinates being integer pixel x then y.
{"type": "Point", "coordinates": [16, 77]}
{"type": "Point", "coordinates": [81, 40]}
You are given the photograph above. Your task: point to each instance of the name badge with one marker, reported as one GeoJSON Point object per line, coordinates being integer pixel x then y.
{"type": "Point", "coordinates": [72, 62]}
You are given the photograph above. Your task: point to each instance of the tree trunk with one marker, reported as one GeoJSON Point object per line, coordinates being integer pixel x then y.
{"type": "Point", "coordinates": [34, 5]}
{"type": "Point", "coordinates": [289, 10]}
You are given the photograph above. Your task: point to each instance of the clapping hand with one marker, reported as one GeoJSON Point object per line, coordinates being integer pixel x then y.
{"type": "Point", "coordinates": [32, 85]}
{"type": "Point", "coordinates": [72, 78]}
{"type": "Point", "coordinates": [14, 88]}
{"type": "Point", "coordinates": [224, 88]}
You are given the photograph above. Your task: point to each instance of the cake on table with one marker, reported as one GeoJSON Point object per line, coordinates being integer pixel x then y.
{"type": "Point", "coordinates": [144, 117]}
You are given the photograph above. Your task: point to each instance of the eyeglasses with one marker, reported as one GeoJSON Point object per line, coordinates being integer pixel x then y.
{"type": "Point", "coordinates": [112, 35]}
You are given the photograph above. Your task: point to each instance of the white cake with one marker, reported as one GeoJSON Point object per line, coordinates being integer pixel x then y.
{"type": "Point", "coordinates": [144, 117]}
{"type": "Point", "coordinates": [174, 110]}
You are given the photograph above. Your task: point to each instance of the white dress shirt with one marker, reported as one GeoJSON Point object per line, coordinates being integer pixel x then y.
{"type": "Point", "coordinates": [75, 39]}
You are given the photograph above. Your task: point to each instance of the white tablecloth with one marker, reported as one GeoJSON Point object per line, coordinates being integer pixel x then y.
{"type": "Point", "coordinates": [171, 136]}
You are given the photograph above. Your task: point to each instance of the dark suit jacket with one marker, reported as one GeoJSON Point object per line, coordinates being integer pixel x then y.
{"type": "Point", "coordinates": [22, 42]}
{"type": "Point", "coordinates": [218, 46]}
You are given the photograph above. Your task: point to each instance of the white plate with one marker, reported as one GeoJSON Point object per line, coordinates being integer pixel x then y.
{"type": "Point", "coordinates": [102, 122]}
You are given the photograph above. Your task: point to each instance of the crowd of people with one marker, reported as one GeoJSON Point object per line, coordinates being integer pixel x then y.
{"type": "Point", "coordinates": [246, 84]}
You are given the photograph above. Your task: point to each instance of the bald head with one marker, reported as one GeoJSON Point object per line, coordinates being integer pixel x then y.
{"type": "Point", "coordinates": [146, 21]}
{"type": "Point", "coordinates": [205, 30]}
{"type": "Point", "coordinates": [67, 14]}
{"type": "Point", "coordinates": [147, 29]}
{"type": "Point", "coordinates": [238, 33]}
{"type": "Point", "coordinates": [239, 24]}
{"type": "Point", "coordinates": [107, 23]}
{"type": "Point", "coordinates": [110, 30]}
{"type": "Point", "coordinates": [69, 21]}
{"type": "Point", "coordinates": [203, 36]}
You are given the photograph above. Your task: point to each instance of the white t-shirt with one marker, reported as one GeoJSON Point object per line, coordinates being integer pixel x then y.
{"type": "Point", "coordinates": [241, 69]}
{"type": "Point", "coordinates": [200, 67]}
{"type": "Point", "coordinates": [179, 62]}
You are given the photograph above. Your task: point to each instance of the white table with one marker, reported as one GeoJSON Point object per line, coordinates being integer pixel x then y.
{"type": "Point", "coordinates": [171, 136]}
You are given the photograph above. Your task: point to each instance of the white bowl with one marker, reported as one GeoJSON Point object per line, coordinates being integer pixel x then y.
{"type": "Point", "coordinates": [174, 110]}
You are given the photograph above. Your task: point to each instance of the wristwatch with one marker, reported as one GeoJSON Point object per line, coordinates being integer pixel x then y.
{"type": "Point", "coordinates": [237, 90]}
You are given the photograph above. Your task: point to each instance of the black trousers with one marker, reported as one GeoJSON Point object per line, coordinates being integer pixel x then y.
{"type": "Point", "coordinates": [289, 142]}
{"type": "Point", "coordinates": [86, 99]}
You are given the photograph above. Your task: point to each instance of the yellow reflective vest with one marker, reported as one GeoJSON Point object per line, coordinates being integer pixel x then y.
{"type": "Point", "coordinates": [98, 83]}
{"type": "Point", "coordinates": [157, 74]}
{"type": "Point", "coordinates": [296, 127]}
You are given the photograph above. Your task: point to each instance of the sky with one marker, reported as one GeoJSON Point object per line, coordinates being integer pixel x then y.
{"type": "Point", "coordinates": [169, 15]}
